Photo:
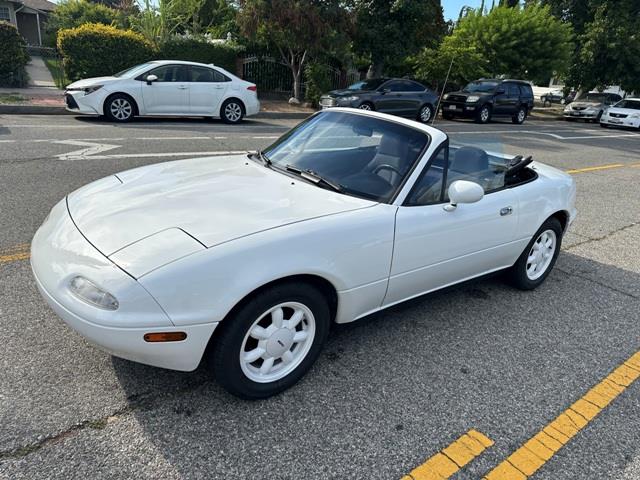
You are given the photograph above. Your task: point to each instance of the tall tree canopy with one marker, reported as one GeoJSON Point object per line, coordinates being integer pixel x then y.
{"type": "Point", "coordinates": [389, 30]}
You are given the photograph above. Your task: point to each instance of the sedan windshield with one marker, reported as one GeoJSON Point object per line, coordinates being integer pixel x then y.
{"type": "Point", "coordinates": [133, 71]}
{"type": "Point", "coordinates": [594, 97]}
{"type": "Point", "coordinates": [481, 87]}
{"type": "Point", "coordinates": [371, 84]}
{"type": "Point", "coordinates": [632, 104]}
{"type": "Point", "coordinates": [350, 152]}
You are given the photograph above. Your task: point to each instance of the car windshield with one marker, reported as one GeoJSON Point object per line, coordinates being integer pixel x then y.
{"type": "Point", "coordinates": [480, 86]}
{"type": "Point", "coordinates": [594, 97]}
{"type": "Point", "coordinates": [371, 84]}
{"type": "Point", "coordinates": [354, 153]}
{"type": "Point", "coordinates": [133, 71]}
{"type": "Point", "coordinates": [632, 104]}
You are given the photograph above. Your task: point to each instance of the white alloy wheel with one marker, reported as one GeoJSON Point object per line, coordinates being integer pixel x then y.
{"type": "Point", "coordinates": [365, 106]}
{"type": "Point", "coordinates": [541, 254]}
{"type": "Point", "coordinates": [277, 342]}
{"type": "Point", "coordinates": [521, 115]}
{"type": "Point", "coordinates": [425, 113]}
{"type": "Point", "coordinates": [233, 112]}
{"type": "Point", "coordinates": [121, 109]}
{"type": "Point", "coordinates": [484, 114]}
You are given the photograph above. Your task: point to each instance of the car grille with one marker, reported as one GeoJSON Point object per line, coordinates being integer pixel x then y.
{"type": "Point", "coordinates": [328, 102]}
{"type": "Point", "coordinates": [71, 102]}
{"type": "Point", "coordinates": [457, 98]}
{"type": "Point", "coordinates": [578, 108]}
{"type": "Point", "coordinates": [618, 115]}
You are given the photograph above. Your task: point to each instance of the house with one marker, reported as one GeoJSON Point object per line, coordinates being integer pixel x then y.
{"type": "Point", "coordinates": [29, 17]}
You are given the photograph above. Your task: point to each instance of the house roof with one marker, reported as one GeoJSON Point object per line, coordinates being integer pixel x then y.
{"type": "Point", "coordinates": [41, 5]}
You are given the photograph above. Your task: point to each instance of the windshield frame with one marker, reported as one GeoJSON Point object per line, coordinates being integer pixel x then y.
{"type": "Point", "coordinates": [495, 84]}
{"type": "Point", "coordinates": [137, 68]}
{"type": "Point", "coordinates": [345, 189]}
{"type": "Point", "coordinates": [380, 83]}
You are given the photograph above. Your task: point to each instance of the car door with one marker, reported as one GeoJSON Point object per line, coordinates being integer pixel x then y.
{"type": "Point", "coordinates": [389, 99]}
{"type": "Point", "coordinates": [501, 100]}
{"type": "Point", "coordinates": [207, 88]}
{"type": "Point", "coordinates": [435, 248]}
{"type": "Point", "coordinates": [169, 94]}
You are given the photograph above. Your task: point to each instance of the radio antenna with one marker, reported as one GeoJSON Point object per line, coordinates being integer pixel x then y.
{"type": "Point", "coordinates": [442, 95]}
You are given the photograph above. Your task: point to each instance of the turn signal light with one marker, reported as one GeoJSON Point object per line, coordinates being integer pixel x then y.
{"type": "Point", "coordinates": [165, 337]}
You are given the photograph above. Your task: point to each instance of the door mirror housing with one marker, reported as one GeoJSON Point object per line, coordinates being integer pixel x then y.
{"type": "Point", "coordinates": [501, 91]}
{"type": "Point", "coordinates": [384, 90]}
{"type": "Point", "coordinates": [151, 79]}
{"type": "Point", "coordinates": [463, 191]}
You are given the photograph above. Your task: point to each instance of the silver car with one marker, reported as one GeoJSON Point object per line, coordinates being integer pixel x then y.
{"type": "Point", "coordinates": [591, 106]}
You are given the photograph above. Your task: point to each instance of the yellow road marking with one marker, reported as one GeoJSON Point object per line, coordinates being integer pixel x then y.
{"type": "Point", "coordinates": [15, 253]}
{"type": "Point", "coordinates": [445, 463]}
{"type": "Point", "coordinates": [593, 169]}
{"type": "Point", "coordinates": [531, 456]}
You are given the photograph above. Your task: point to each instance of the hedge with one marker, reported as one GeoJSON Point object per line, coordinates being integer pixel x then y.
{"type": "Point", "coordinates": [194, 50]}
{"type": "Point", "coordinates": [94, 50]}
{"type": "Point", "coordinates": [13, 57]}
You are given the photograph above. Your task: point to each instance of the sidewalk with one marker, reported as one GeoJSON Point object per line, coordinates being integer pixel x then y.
{"type": "Point", "coordinates": [39, 74]}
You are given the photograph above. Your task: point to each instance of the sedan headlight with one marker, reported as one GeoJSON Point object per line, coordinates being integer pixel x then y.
{"type": "Point", "coordinates": [87, 291]}
{"type": "Point", "coordinates": [92, 89]}
{"type": "Point", "coordinates": [472, 98]}
{"type": "Point", "coordinates": [348, 99]}
{"type": "Point", "coordinates": [590, 110]}
{"type": "Point", "coordinates": [634, 115]}
{"type": "Point", "coordinates": [567, 108]}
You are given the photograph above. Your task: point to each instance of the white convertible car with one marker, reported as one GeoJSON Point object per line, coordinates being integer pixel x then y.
{"type": "Point", "coordinates": [247, 260]}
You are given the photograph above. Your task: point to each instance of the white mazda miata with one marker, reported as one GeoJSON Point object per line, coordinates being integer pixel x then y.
{"type": "Point", "coordinates": [247, 260]}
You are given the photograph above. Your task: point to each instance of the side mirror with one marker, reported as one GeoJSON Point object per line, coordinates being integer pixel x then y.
{"type": "Point", "coordinates": [384, 90]}
{"type": "Point", "coordinates": [501, 91]}
{"type": "Point", "coordinates": [463, 191]}
{"type": "Point", "coordinates": [151, 79]}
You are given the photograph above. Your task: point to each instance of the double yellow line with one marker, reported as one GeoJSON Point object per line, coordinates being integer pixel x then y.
{"type": "Point", "coordinates": [540, 448]}
{"type": "Point", "coordinates": [15, 253]}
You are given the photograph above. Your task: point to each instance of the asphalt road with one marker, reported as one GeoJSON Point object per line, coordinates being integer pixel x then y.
{"type": "Point", "coordinates": [388, 393]}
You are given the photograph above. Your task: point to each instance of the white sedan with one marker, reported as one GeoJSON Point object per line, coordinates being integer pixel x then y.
{"type": "Point", "coordinates": [248, 259]}
{"type": "Point", "coordinates": [625, 113]}
{"type": "Point", "coordinates": [167, 87]}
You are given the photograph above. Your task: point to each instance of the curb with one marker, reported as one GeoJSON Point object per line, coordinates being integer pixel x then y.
{"type": "Point", "coordinates": [53, 110]}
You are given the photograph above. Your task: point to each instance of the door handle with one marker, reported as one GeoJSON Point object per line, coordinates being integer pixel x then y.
{"type": "Point", "coordinates": [506, 211]}
{"type": "Point", "coordinates": [182, 87]}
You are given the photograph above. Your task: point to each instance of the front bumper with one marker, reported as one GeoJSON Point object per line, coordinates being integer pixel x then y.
{"type": "Point", "coordinates": [78, 102]}
{"type": "Point", "coordinates": [59, 252]}
{"type": "Point", "coordinates": [458, 109]}
{"type": "Point", "coordinates": [581, 114]}
{"type": "Point", "coordinates": [620, 122]}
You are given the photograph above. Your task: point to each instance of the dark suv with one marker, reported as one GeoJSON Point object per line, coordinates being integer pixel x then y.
{"type": "Point", "coordinates": [398, 96]}
{"type": "Point", "coordinates": [482, 99]}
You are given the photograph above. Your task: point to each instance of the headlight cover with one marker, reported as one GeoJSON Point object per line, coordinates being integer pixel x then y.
{"type": "Point", "coordinates": [88, 292]}
{"type": "Point", "coordinates": [634, 115]}
{"type": "Point", "coordinates": [348, 99]}
{"type": "Point", "coordinates": [92, 89]}
{"type": "Point", "coordinates": [446, 95]}
{"type": "Point", "coordinates": [472, 98]}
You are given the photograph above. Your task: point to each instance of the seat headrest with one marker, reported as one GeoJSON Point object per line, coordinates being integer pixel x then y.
{"type": "Point", "coordinates": [469, 160]}
{"type": "Point", "coordinates": [392, 145]}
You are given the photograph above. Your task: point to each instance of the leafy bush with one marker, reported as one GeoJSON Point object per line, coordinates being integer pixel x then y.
{"type": "Point", "coordinates": [196, 50]}
{"type": "Point", "coordinates": [94, 50]}
{"type": "Point", "coordinates": [318, 81]}
{"type": "Point", "coordinates": [74, 13]}
{"type": "Point", "coordinates": [13, 57]}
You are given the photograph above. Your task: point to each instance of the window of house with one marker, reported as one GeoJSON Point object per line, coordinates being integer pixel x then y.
{"type": "Point", "coordinates": [4, 14]}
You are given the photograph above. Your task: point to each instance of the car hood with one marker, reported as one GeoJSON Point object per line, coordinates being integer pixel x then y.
{"type": "Point", "coordinates": [623, 111]}
{"type": "Point", "coordinates": [212, 200]}
{"type": "Point", "coordinates": [583, 104]}
{"type": "Point", "coordinates": [460, 93]}
{"type": "Point", "coordinates": [89, 82]}
{"type": "Point", "coordinates": [346, 92]}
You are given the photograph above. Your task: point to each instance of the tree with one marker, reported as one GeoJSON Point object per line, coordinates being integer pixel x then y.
{"type": "Point", "coordinates": [73, 13]}
{"type": "Point", "coordinates": [389, 30]}
{"type": "Point", "coordinates": [156, 22]}
{"type": "Point", "coordinates": [297, 29]}
{"type": "Point", "coordinates": [608, 42]}
{"type": "Point", "coordinates": [521, 42]}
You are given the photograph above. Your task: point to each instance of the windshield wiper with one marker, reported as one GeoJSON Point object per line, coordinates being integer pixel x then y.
{"type": "Point", "coordinates": [266, 161]}
{"type": "Point", "coordinates": [314, 177]}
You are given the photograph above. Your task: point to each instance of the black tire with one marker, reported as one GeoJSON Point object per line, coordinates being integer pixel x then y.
{"type": "Point", "coordinates": [224, 355]}
{"type": "Point", "coordinates": [518, 272]}
{"type": "Point", "coordinates": [425, 114]}
{"type": "Point", "coordinates": [597, 120]}
{"type": "Point", "coordinates": [120, 108]}
{"type": "Point", "coordinates": [366, 106]}
{"type": "Point", "coordinates": [604, 125]}
{"type": "Point", "coordinates": [447, 116]}
{"type": "Point", "coordinates": [232, 111]}
{"type": "Point", "coordinates": [484, 114]}
{"type": "Point", "coordinates": [520, 116]}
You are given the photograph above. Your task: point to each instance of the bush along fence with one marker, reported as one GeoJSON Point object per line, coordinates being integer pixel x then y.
{"type": "Point", "coordinates": [13, 57]}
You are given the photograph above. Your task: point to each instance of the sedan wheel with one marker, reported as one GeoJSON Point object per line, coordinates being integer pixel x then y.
{"type": "Point", "coordinates": [119, 108]}
{"type": "Point", "coordinates": [366, 106]}
{"type": "Point", "coordinates": [426, 113]}
{"type": "Point", "coordinates": [231, 112]}
{"type": "Point", "coordinates": [537, 260]}
{"type": "Point", "coordinates": [270, 342]}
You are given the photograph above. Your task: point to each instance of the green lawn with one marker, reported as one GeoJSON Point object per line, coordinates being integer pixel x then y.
{"type": "Point", "coordinates": [55, 67]}
{"type": "Point", "coordinates": [11, 98]}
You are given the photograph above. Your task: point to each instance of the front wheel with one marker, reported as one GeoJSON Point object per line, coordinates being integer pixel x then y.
{"type": "Point", "coordinates": [119, 108]}
{"type": "Point", "coordinates": [366, 106]}
{"type": "Point", "coordinates": [231, 111]}
{"type": "Point", "coordinates": [425, 114]}
{"type": "Point", "coordinates": [271, 341]}
{"type": "Point", "coordinates": [537, 260]}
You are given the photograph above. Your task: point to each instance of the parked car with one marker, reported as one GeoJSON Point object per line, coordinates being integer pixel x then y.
{"type": "Point", "coordinates": [557, 96]}
{"type": "Point", "coordinates": [591, 106]}
{"type": "Point", "coordinates": [625, 113]}
{"type": "Point", "coordinates": [165, 87]}
{"type": "Point", "coordinates": [248, 259]}
{"type": "Point", "coordinates": [483, 99]}
{"type": "Point", "coordinates": [397, 96]}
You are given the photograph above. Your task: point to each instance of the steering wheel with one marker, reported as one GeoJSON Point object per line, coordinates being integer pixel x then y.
{"type": "Point", "coordinates": [386, 166]}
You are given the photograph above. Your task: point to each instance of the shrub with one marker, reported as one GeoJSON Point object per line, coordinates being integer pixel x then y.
{"type": "Point", "coordinates": [318, 81]}
{"type": "Point", "coordinates": [196, 50]}
{"type": "Point", "coordinates": [94, 50]}
{"type": "Point", "coordinates": [13, 57]}
{"type": "Point", "coordinates": [74, 13]}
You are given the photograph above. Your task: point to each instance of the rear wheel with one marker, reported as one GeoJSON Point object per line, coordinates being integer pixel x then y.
{"type": "Point", "coordinates": [520, 116]}
{"type": "Point", "coordinates": [484, 114]}
{"type": "Point", "coordinates": [271, 341]}
{"type": "Point", "coordinates": [538, 259]}
{"type": "Point", "coordinates": [232, 111]}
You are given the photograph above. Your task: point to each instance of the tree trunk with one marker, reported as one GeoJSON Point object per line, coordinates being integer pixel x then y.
{"type": "Point", "coordinates": [375, 69]}
{"type": "Point", "coordinates": [296, 82]}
